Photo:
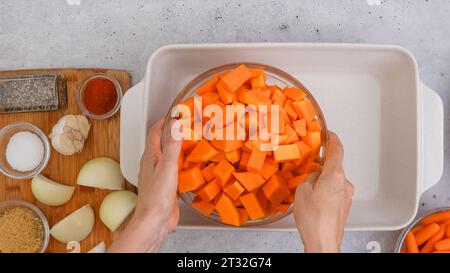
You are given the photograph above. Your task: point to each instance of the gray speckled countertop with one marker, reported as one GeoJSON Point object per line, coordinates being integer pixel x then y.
{"type": "Point", "coordinates": [123, 34]}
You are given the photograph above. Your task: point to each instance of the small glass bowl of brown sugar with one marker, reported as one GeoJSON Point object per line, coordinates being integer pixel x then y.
{"type": "Point", "coordinates": [23, 228]}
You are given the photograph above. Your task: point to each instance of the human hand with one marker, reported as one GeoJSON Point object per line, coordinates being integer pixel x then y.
{"type": "Point", "coordinates": [157, 212]}
{"type": "Point", "coordinates": [323, 201]}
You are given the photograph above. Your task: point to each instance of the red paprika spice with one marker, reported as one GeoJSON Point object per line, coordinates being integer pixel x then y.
{"type": "Point", "coordinates": [100, 96]}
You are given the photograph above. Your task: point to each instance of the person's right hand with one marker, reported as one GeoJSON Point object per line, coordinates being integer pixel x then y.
{"type": "Point", "coordinates": [322, 203]}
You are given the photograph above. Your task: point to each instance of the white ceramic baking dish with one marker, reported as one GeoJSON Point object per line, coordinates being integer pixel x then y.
{"type": "Point", "coordinates": [391, 124]}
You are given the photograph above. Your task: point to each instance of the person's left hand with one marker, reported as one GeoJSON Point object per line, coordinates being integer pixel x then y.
{"type": "Point", "coordinates": [157, 212]}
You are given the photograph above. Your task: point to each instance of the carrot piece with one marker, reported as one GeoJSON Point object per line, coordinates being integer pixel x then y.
{"type": "Point", "coordinates": [190, 180]}
{"type": "Point", "coordinates": [258, 81]}
{"type": "Point", "coordinates": [305, 150]}
{"type": "Point", "coordinates": [300, 127]}
{"type": "Point", "coordinates": [294, 93]}
{"type": "Point", "coordinates": [223, 171]}
{"type": "Point", "coordinates": [283, 207]}
{"type": "Point", "coordinates": [255, 97]}
{"type": "Point", "coordinates": [227, 211]}
{"type": "Point", "coordinates": [442, 245]}
{"type": "Point", "coordinates": [313, 140]}
{"type": "Point", "coordinates": [256, 161]}
{"type": "Point", "coordinates": [204, 206]}
{"type": "Point", "coordinates": [294, 182]}
{"type": "Point", "coordinates": [291, 135]}
{"type": "Point", "coordinates": [209, 86]}
{"type": "Point", "coordinates": [289, 109]}
{"type": "Point", "coordinates": [285, 153]}
{"type": "Point", "coordinates": [251, 181]}
{"type": "Point", "coordinates": [411, 244]}
{"type": "Point", "coordinates": [227, 145]}
{"type": "Point", "coordinates": [207, 172]}
{"type": "Point", "coordinates": [276, 190]}
{"type": "Point", "coordinates": [209, 98]}
{"type": "Point", "coordinates": [225, 95]}
{"type": "Point", "coordinates": [234, 190]}
{"type": "Point", "coordinates": [286, 175]}
{"type": "Point", "coordinates": [233, 156]}
{"type": "Point", "coordinates": [244, 215]}
{"type": "Point", "coordinates": [429, 246]}
{"type": "Point", "coordinates": [278, 98]}
{"type": "Point", "coordinates": [426, 233]}
{"type": "Point", "coordinates": [210, 190]}
{"type": "Point", "coordinates": [244, 161]}
{"type": "Point", "coordinates": [262, 198]}
{"type": "Point", "coordinates": [436, 218]}
{"type": "Point", "coordinates": [305, 110]}
{"type": "Point", "coordinates": [269, 169]}
{"type": "Point", "coordinates": [203, 152]}
{"type": "Point", "coordinates": [256, 72]}
{"type": "Point", "coordinates": [219, 156]}
{"type": "Point", "coordinates": [314, 126]}
{"type": "Point", "coordinates": [252, 206]}
{"type": "Point", "coordinates": [237, 77]}
{"type": "Point", "coordinates": [416, 229]}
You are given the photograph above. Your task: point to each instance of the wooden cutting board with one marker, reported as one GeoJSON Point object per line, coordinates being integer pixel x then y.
{"type": "Point", "coordinates": [103, 140]}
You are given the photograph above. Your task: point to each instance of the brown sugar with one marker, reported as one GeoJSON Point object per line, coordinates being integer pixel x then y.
{"type": "Point", "coordinates": [21, 231]}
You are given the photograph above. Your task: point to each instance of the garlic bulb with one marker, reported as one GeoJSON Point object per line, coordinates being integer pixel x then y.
{"type": "Point", "coordinates": [69, 133]}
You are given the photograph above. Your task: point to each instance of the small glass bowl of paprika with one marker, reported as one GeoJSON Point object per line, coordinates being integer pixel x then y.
{"type": "Point", "coordinates": [99, 96]}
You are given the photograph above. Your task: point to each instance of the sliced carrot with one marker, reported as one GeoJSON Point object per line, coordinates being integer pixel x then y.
{"type": "Point", "coordinates": [300, 127]}
{"type": "Point", "coordinates": [223, 172]}
{"type": "Point", "coordinates": [276, 190]}
{"type": "Point", "coordinates": [225, 95]}
{"type": "Point", "coordinates": [294, 182]}
{"type": "Point", "coordinates": [286, 175]}
{"type": "Point", "coordinates": [207, 172]}
{"type": "Point", "coordinates": [227, 145]}
{"type": "Point", "coordinates": [294, 93]}
{"type": "Point", "coordinates": [190, 180]}
{"type": "Point", "coordinates": [313, 140]}
{"type": "Point", "coordinates": [289, 109]}
{"type": "Point", "coordinates": [244, 215]}
{"type": "Point", "coordinates": [251, 181]}
{"type": "Point", "coordinates": [314, 126]}
{"type": "Point", "coordinates": [442, 245]}
{"type": "Point", "coordinates": [258, 81]}
{"type": "Point", "coordinates": [227, 211]}
{"type": "Point", "coordinates": [244, 161]}
{"type": "Point", "coordinates": [429, 245]}
{"type": "Point", "coordinates": [291, 135]}
{"type": "Point", "coordinates": [436, 218]}
{"type": "Point", "coordinates": [426, 233]}
{"type": "Point", "coordinates": [283, 207]}
{"type": "Point", "coordinates": [285, 153]}
{"type": "Point", "coordinates": [236, 78]}
{"type": "Point", "coordinates": [252, 206]}
{"type": "Point", "coordinates": [278, 98]}
{"type": "Point", "coordinates": [233, 156]}
{"type": "Point", "coordinates": [210, 190]}
{"type": "Point", "coordinates": [234, 190]}
{"type": "Point", "coordinates": [416, 229]}
{"type": "Point", "coordinates": [209, 86]}
{"type": "Point", "coordinates": [269, 169]}
{"type": "Point", "coordinates": [411, 244]}
{"type": "Point", "coordinates": [256, 161]}
{"type": "Point", "coordinates": [204, 206]}
{"type": "Point", "coordinates": [305, 110]}
{"type": "Point", "coordinates": [203, 152]}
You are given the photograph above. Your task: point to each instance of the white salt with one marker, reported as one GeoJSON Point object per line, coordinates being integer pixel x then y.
{"type": "Point", "coordinates": [25, 151]}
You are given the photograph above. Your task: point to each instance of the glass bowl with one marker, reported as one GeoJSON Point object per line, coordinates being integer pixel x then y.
{"type": "Point", "coordinates": [274, 76]}
{"type": "Point", "coordinates": [8, 204]}
{"type": "Point", "coordinates": [401, 239]}
{"type": "Point", "coordinates": [80, 97]}
{"type": "Point", "coordinates": [5, 134]}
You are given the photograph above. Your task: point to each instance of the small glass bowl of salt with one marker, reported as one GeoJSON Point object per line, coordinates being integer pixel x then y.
{"type": "Point", "coordinates": [24, 150]}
